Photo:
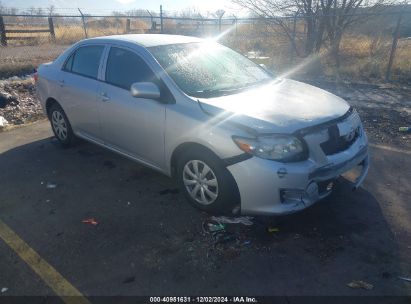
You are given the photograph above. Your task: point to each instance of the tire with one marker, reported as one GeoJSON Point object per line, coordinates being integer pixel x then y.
{"type": "Point", "coordinates": [61, 125]}
{"type": "Point", "coordinates": [214, 192]}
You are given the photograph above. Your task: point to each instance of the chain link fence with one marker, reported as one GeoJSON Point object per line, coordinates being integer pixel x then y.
{"type": "Point", "coordinates": [366, 47]}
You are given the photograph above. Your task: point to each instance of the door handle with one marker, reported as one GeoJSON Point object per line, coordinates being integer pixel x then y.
{"type": "Point", "coordinates": [104, 97]}
{"type": "Point", "coordinates": [61, 83]}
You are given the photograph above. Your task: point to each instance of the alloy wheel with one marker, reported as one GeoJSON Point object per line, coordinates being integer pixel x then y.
{"type": "Point", "coordinates": [200, 182]}
{"type": "Point", "coordinates": [59, 125]}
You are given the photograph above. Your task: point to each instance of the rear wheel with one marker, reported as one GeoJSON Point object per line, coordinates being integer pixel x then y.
{"type": "Point", "coordinates": [61, 125]}
{"type": "Point", "coordinates": [206, 182]}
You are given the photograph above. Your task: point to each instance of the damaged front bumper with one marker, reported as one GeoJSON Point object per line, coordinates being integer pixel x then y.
{"type": "Point", "coordinates": [272, 188]}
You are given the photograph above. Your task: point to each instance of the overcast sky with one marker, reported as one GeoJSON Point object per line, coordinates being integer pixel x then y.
{"type": "Point", "coordinates": [99, 6]}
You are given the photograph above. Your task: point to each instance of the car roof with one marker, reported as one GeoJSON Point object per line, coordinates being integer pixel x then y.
{"type": "Point", "coordinates": [148, 40]}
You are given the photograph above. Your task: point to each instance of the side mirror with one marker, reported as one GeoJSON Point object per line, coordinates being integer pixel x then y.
{"type": "Point", "coordinates": [145, 90]}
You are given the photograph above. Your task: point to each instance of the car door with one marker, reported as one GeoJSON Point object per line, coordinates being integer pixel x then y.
{"type": "Point", "coordinates": [134, 126]}
{"type": "Point", "coordinates": [79, 90]}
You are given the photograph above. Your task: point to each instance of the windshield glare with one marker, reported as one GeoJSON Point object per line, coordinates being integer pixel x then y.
{"type": "Point", "coordinates": [208, 69]}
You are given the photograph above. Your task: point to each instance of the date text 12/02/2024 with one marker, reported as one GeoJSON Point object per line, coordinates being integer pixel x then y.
{"type": "Point", "coordinates": [203, 300]}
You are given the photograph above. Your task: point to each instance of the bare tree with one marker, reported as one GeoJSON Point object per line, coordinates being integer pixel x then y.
{"type": "Point", "coordinates": [325, 21]}
{"type": "Point", "coordinates": [277, 14]}
{"type": "Point", "coordinates": [341, 15]}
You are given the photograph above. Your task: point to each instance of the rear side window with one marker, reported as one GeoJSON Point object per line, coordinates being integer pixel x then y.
{"type": "Point", "coordinates": [85, 61]}
{"type": "Point", "coordinates": [69, 63]}
{"type": "Point", "coordinates": [125, 68]}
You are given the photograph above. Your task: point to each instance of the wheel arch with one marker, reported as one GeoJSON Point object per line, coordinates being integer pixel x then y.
{"type": "Point", "coordinates": [182, 148]}
{"type": "Point", "coordinates": [49, 103]}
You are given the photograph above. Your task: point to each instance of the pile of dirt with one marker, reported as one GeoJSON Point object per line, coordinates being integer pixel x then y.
{"type": "Point", "coordinates": [18, 102]}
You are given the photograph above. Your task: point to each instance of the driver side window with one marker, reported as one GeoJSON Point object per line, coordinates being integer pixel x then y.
{"type": "Point", "coordinates": [125, 68]}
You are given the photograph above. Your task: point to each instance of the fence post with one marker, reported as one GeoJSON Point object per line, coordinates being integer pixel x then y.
{"type": "Point", "coordinates": [128, 26]}
{"type": "Point", "coordinates": [235, 24]}
{"type": "Point", "coordinates": [51, 28]}
{"type": "Point", "coordinates": [293, 38]}
{"type": "Point", "coordinates": [161, 19]}
{"type": "Point", "coordinates": [393, 48]}
{"type": "Point", "coordinates": [3, 38]}
{"type": "Point", "coordinates": [84, 23]}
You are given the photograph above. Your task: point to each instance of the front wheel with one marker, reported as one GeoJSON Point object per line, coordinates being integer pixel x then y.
{"type": "Point", "coordinates": [206, 182]}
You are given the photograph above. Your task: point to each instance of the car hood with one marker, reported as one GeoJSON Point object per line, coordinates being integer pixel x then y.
{"type": "Point", "coordinates": [282, 106]}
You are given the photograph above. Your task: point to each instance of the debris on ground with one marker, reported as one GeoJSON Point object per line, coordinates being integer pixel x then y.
{"type": "Point", "coordinates": [51, 185]}
{"type": "Point", "coordinates": [215, 227]}
{"type": "Point", "coordinates": [222, 238]}
{"type": "Point", "coordinates": [233, 231]}
{"type": "Point", "coordinates": [273, 229]}
{"type": "Point", "coordinates": [245, 220]}
{"type": "Point", "coordinates": [18, 102]}
{"type": "Point", "coordinates": [4, 289]}
{"type": "Point", "coordinates": [3, 122]}
{"type": "Point", "coordinates": [90, 221]}
{"type": "Point", "coordinates": [360, 284]}
{"type": "Point", "coordinates": [405, 279]}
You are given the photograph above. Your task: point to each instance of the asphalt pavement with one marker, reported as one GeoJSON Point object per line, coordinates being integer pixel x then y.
{"type": "Point", "coordinates": [150, 241]}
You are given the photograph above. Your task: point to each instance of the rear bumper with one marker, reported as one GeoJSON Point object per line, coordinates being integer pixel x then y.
{"type": "Point", "coordinates": [272, 188]}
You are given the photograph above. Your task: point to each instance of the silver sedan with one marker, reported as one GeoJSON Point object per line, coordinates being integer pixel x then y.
{"type": "Point", "coordinates": [233, 136]}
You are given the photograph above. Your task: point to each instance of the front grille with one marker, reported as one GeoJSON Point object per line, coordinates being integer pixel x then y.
{"type": "Point", "coordinates": [337, 143]}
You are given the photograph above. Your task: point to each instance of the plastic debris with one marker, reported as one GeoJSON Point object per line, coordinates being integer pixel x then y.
{"type": "Point", "coordinates": [401, 129]}
{"type": "Point", "coordinates": [4, 289]}
{"type": "Point", "coordinates": [360, 284]}
{"type": "Point", "coordinates": [246, 243]}
{"type": "Point", "coordinates": [51, 185]}
{"type": "Point", "coordinates": [90, 221]}
{"type": "Point", "coordinates": [273, 229]}
{"type": "Point", "coordinates": [405, 279]}
{"type": "Point", "coordinates": [245, 220]}
{"type": "Point", "coordinates": [215, 227]}
{"type": "Point", "coordinates": [3, 122]}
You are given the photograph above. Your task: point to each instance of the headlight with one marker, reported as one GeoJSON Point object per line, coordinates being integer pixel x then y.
{"type": "Point", "coordinates": [279, 147]}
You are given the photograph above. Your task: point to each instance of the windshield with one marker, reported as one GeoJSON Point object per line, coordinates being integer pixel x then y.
{"type": "Point", "coordinates": [208, 69]}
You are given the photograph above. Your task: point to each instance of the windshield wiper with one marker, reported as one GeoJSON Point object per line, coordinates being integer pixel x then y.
{"type": "Point", "coordinates": [227, 91]}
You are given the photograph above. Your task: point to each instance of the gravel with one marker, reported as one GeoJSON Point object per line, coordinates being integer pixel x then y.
{"type": "Point", "coordinates": [18, 103]}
